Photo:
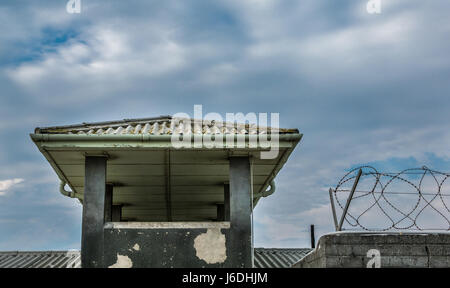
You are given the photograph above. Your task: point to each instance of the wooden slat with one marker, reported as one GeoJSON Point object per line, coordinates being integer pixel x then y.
{"type": "Point", "coordinates": [199, 157]}
{"type": "Point", "coordinates": [156, 157]}
{"type": "Point", "coordinates": [140, 199]}
{"type": "Point", "coordinates": [178, 211]}
{"type": "Point", "coordinates": [189, 190]}
{"type": "Point", "coordinates": [77, 170]}
{"type": "Point", "coordinates": [124, 180]}
{"type": "Point", "coordinates": [124, 190]}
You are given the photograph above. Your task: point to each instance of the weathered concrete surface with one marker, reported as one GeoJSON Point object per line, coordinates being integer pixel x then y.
{"type": "Point", "coordinates": [241, 207]}
{"type": "Point", "coordinates": [123, 261]}
{"type": "Point", "coordinates": [210, 246]}
{"type": "Point", "coordinates": [179, 225]}
{"type": "Point", "coordinates": [347, 250]}
{"type": "Point", "coordinates": [93, 212]}
{"type": "Point", "coordinates": [164, 245]}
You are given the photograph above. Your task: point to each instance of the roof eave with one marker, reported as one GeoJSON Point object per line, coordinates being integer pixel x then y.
{"type": "Point", "coordinates": [46, 142]}
{"type": "Point", "coordinates": [79, 142]}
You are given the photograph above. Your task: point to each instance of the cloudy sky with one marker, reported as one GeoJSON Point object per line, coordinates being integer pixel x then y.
{"type": "Point", "coordinates": [362, 88]}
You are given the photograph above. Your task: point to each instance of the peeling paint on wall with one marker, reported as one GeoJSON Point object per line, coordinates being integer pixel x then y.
{"type": "Point", "coordinates": [210, 246]}
{"type": "Point", "coordinates": [123, 261]}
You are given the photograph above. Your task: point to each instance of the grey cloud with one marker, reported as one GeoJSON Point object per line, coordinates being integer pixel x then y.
{"type": "Point", "coordinates": [362, 88]}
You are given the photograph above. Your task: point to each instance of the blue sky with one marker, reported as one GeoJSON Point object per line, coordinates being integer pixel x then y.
{"type": "Point", "coordinates": [363, 88]}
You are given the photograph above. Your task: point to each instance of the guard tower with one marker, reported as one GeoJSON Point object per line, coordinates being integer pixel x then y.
{"type": "Point", "coordinates": [150, 203]}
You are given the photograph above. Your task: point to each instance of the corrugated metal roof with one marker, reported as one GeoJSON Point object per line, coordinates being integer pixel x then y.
{"type": "Point", "coordinates": [165, 125]}
{"type": "Point", "coordinates": [264, 258]}
{"type": "Point", "coordinates": [278, 257]}
{"type": "Point", "coordinates": [40, 259]}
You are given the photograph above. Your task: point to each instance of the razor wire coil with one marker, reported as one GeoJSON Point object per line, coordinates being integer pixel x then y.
{"type": "Point", "coordinates": [379, 193]}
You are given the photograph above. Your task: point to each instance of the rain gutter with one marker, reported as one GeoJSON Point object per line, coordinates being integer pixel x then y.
{"type": "Point", "coordinates": [38, 139]}
{"type": "Point", "coordinates": [143, 138]}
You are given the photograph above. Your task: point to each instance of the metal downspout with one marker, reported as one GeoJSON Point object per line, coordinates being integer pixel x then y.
{"type": "Point", "coordinates": [64, 192]}
{"type": "Point", "coordinates": [265, 193]}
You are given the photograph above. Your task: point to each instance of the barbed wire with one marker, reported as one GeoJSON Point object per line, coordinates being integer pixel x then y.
{"type": "Point", "coordinates": [379, 193]}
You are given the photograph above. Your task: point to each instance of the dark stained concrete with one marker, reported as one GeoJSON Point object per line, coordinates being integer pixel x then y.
{"type": "Point", "coordinates": [396, 250]}
{"type": "Point", "coordinates": [93, 212]}
{"type": "Point", "coordinates": [241, 196]}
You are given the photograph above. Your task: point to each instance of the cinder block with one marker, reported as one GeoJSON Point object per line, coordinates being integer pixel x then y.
{"type": "Point", "coordinates": [345, 262]}
{"type": "Point", "coordinates": [396, 250]}
{"type": "Point", "coordinates": [405, 262]}
{"type": "Point", "coordinates": [439, 261]}
{"type": "Point", "coordinates": [438, 238]}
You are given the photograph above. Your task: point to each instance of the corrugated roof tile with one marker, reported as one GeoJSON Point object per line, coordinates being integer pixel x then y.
{"type": "Point", "coordinates": [162, 126]}
{"type": "Point", "coordinates": [264, 258]}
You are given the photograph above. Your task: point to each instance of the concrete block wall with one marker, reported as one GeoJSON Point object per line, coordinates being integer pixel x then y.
{"type": "Point", "coordinates": [169, 245]}
{"type": "Point", "coordinates": [350, 250]}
